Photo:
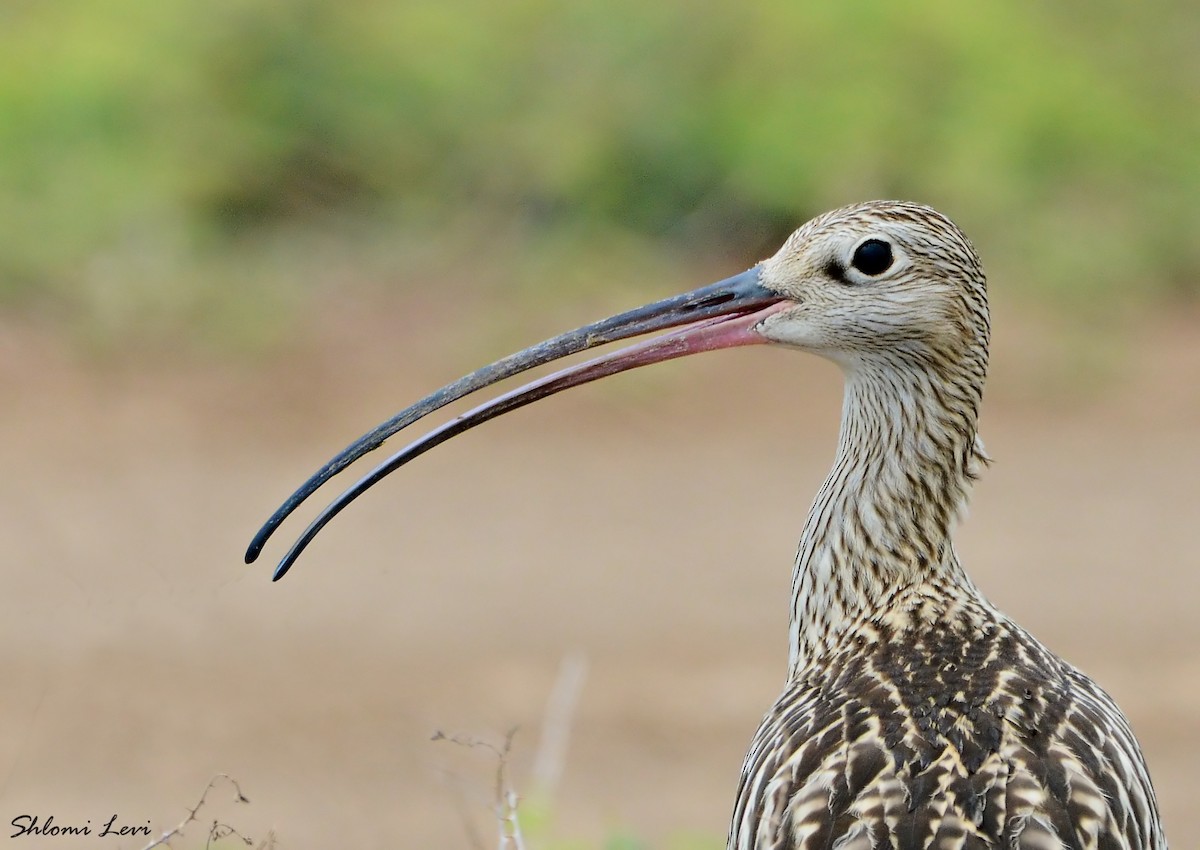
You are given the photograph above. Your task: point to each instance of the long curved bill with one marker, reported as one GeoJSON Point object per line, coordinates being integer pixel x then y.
{"type": "Point", "coordinates": [722, 315]}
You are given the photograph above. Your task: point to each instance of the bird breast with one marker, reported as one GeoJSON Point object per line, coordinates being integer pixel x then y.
{"type": "Point", "coordinates": [944, 735]}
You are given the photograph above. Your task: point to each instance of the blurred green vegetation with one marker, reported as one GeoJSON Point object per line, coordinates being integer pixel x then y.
{"type": "Point", "coordinates": [539, 830]}
{"type": "Point", "coordinates": [180, 165]}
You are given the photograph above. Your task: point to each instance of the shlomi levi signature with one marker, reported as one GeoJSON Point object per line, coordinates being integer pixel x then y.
{"type": "Point", "coordinates": [33, 825]}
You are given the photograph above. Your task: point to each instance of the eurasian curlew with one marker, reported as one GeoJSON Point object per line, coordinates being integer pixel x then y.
{"type": "Point", "coordinates": [915, 714]}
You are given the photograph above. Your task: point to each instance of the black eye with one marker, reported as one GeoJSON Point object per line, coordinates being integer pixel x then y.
{"type": "Point", "coordinates": [872, 257]}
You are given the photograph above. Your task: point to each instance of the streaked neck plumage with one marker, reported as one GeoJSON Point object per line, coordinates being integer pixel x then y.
{"type": "Point", "coordinates": [878, 535]}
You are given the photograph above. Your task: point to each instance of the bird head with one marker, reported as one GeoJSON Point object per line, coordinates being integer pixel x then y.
{"type": "Point", "coordinates": [881, 281]}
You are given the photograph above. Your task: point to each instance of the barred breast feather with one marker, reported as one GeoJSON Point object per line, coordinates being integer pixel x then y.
{"type": "Point", "coordinates": [964, 734]}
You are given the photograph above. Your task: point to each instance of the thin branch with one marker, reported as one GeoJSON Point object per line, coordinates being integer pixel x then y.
{"type": "Point", "coordinates": [548, 760]}
{"type": "Point", "coordinates": [163, 839]}
{"type": "Point", "coordinates": [220, 830]}
{"type": "Point", "coordinates": [506, 798]}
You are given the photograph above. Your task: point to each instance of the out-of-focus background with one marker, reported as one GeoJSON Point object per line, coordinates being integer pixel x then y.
{"type": "Point", "coordinates": [235, 235]}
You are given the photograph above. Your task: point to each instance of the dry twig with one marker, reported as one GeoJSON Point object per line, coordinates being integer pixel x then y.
{"type": "Point", "coordinates": [548, 760]}
{"type": "Point", "coordinates": [218, 830]}
{"type": "Point", "coordinates": [506, 797]}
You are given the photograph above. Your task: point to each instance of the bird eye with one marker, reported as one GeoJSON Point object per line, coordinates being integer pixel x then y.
{"type": "Point", "coordinates": [872, 257]}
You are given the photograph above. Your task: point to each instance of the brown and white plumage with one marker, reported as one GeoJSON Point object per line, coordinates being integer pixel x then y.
{"type": "Point", "coordinates": [915, 716]}
{"type": "Point", "coordinates": [956, 731]}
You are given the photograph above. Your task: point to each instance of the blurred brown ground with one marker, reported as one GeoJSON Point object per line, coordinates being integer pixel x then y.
{"type": "Point", "coordinates": [648, 522]}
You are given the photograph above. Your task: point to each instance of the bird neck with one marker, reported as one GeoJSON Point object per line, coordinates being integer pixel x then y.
{"type": "Point", "coordinates": [879, 530]}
